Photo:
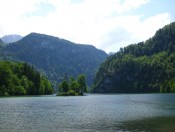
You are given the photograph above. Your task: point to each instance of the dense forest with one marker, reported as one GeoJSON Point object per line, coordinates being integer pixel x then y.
{"type": "Point", "coordinates": [1, 47]}
{"type": "Point", "coordinates": [72, 86]}
{"type": "Point", "coordinates": [138, 68]}
{"type": "Point", "coordinates": [22, 79]}
{"type": "Point", "coordinates": [55, 57]}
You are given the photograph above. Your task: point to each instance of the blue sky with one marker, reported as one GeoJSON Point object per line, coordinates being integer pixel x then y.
{"type": "Point", "coordinates": [43, 9]}
{"type": "Point", "coordinates": [157, 7]}
{"type": "Point", "coordinates": [106, 24]}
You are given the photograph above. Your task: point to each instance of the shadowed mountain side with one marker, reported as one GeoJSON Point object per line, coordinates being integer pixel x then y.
{"type": "Point", "coordinates": [56, 57]}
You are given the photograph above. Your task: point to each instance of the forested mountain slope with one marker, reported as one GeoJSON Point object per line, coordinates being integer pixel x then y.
{"type": "Point", "coordinates": [1, 47]}
{"type": "Point", "coordinates": [22, 79]}
{"type": "Point", "coordinates": [56, 57]}
{"type": "Point", "coordinates": [144, 67]}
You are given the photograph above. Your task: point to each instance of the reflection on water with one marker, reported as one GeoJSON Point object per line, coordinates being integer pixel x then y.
{"type": "Point", "coordinates": [85, 113]}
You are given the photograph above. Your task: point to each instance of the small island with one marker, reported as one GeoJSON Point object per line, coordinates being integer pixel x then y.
{"type": "Point", "coordinates": [72, 87]}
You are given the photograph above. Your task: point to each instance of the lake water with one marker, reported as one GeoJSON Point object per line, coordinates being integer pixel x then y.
{"type": "Point", "coordinates": [92, 113]}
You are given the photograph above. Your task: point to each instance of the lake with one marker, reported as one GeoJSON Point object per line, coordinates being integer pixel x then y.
{"type": "Point", "coordinates": [91, 113]}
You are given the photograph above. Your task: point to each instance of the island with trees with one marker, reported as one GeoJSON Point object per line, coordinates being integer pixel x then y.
{"type": "Point", "coordinates": [72, 87]}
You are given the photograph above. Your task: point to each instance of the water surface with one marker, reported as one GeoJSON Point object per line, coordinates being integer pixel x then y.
{"type": "Point", "coordinates": [86, 113]}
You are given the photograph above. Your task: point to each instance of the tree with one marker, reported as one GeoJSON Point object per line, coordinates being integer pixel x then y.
{"type": "Point", "coordinates": [48, 87]}
{"type": "Point", "coordinates": [75, 86]}
{"type": "Point", "coordinates": [19, 90]}
{"type": "Point", "coordinates": [65, 86]}
{"type": "Point", "coordinates": [82, 83]}
{"type": "Point", "coordinates": [60, 89]}
{"type": "Point", "coordinates": [42, 88]}
{"type": "Point", "coordinates": [24, 82]}
{"type": "Point", "coordinates": [72, 79]}
{"type": "Point", "coordinates": [2, 90]}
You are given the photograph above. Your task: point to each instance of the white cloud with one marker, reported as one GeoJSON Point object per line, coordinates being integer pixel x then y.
{"type": "Point", "coordinates": [130, 4]}
{"type": "Point", "coordinates": [148, 27]}
{"type": "Point", "coordinates": [131, 29]}
{"type": "Point", "coordinates": [103, 23]}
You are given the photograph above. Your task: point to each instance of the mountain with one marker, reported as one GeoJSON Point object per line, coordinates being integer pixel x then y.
{"type": "Point", "coordinates": [11, 38]}
{"type": "Point", "coordinates": [111, 53]}
{"type": "Point", "coordinates": [140, 68]}
{"type": "Point", "coordinates": [56, 57]}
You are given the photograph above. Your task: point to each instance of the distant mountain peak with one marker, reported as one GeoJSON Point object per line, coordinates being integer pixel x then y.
{"type": "Point", "coordinates": [34, 34]}
{"type": "Point", "coordinates": [41, 37]}
{"type": "Point", "coordinates": [111, 53]}
{"type": "Point", "coordinates": [11, 38]}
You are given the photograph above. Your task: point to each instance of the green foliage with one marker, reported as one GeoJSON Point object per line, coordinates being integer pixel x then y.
{"type": "Point", "coordinates": [74, 87]}
{"type": "Point", "coordinates": [144, 67]}
{"type": "Point", "coordinates": [82, 83]}
{"type": "Point", "coordinates": [22, 79]}
{"type": "Point", "coordinates": [65, 86]}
